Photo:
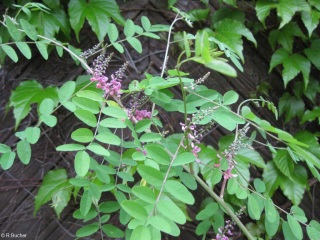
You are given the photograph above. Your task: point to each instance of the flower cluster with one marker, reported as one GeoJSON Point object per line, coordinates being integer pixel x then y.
{"type": "Point", "coordinates": [142, 114]}
{"type": "Point", "coordinates": [193, 86]}
{"type": "Point", "coordinates": [193, 137]}
{"type": "Point", "coordinates": [231, 152]}
{"type": "Point", "coordinates": [86, 54]}
{"type": "Point", "coordinates": [110, 86]}
{"type": "Point", "coordinates": [226, 232]}
{"type": "Point", "coordinates": [136, 102]}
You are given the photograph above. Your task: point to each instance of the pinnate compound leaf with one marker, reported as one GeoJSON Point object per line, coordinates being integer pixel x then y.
{"type": "Point", "coordinates": [82, 163]}
{"type": "Point", "coordinates": [53, 182]}
{"type": "Point", "coordinates": [25, 94]}
{"type": "Point", "coordinates": [87, 230]}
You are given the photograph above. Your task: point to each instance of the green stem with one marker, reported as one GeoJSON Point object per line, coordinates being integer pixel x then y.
{"type": "Point", "coordinates": [223, 204]}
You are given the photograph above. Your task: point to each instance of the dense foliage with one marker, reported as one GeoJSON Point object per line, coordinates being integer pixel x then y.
{"type": "Point", "coordinates": [153, 175]}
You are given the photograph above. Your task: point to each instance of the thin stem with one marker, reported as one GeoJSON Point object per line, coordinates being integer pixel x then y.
{"type": "Point", "coordinates": [223, 204]}
{"type": "Point", "coordinates": [166, 176]}
{"type": "Point", "coordinates": [168, 44]}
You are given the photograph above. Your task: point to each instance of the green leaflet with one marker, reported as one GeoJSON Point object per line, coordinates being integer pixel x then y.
{"type": "Point", "coordinates": [134, 209]}
{"type": "Point", "coordinates": [141, 232]}
{"type": "Point", "coordinates": [179, 191]}
{"type": "Point", "coordinates": [29, 29]}
{"type": "Point", "coordinates": [87, 230]}
{"type": "Point", "coordinates": [82, 135]}
{"type": "Point", "coordinates": [24, 151]}
{"type": "Point", "coordinates": [170, 210]}
{"type": "Point", "coordinates": [24, 49]}
{"type": "Point", "coordinates": [112, 231]}
{"type": "Point", "coordinates": [7, 159]}
{"type": "Point", "coordinates": [10, 52]}
{"type": "Point", "coordinates": [144, 193]}
{"type": "Point", "coordinates": [82, 163]}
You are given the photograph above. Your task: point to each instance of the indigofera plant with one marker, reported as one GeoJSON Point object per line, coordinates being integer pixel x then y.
{"type": "Point", "coordinates": [153, 174]}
